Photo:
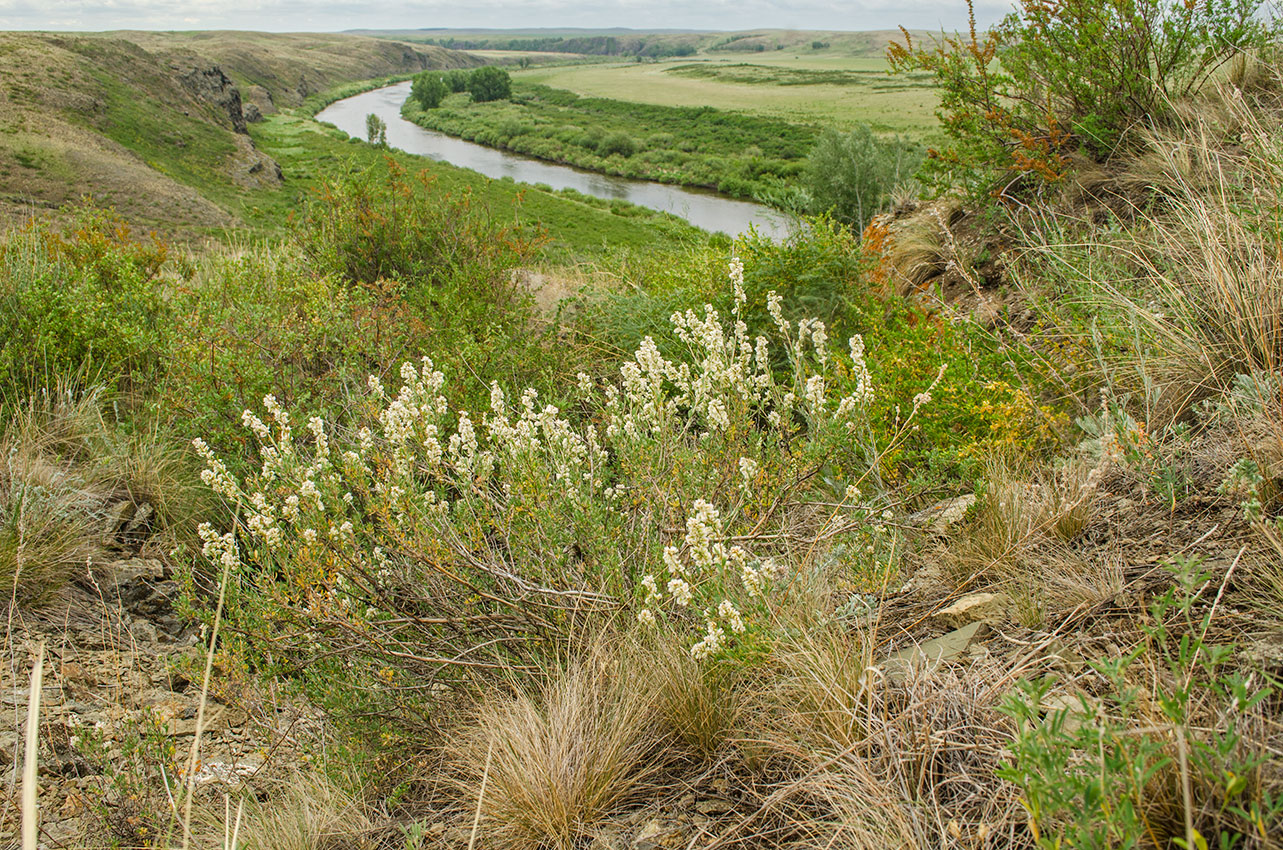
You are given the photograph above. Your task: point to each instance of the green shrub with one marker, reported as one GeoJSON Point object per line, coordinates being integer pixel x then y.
{"type": "Point", "coordinates": [851, 175]}
{"type": "Point", "coordinates": [1078, 75]}
{"type": "Point", "coordinates": [456, 80]}
{"type": "Point", "coordinates": [617, 143]}
{"type": "Point", "coordinates": [383, 225]}
{"type": "Point", "coordinates": [83, 303]}
{"type": "Point", "coordinates": [429, 89]}
{"type": "Point", "coordinates": [489, 83]}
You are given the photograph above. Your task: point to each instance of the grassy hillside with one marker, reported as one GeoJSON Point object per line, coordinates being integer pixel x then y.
{"type": "Point", "coordinates": [146, 125]}
{"type": "Point", "coordinates": [649, 43]}
{"type": "Point", "coordinates": [283, 69]}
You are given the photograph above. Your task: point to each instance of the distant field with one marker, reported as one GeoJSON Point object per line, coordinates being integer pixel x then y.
{"type": "Point", "coordinates": [812, 88]}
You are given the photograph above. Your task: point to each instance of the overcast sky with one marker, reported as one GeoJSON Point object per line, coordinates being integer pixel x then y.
{"type": "Point", "coordinates": [334, 15]}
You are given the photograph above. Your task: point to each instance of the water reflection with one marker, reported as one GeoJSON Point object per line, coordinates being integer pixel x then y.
{"type": "Point", "coordinates": [703, 209]}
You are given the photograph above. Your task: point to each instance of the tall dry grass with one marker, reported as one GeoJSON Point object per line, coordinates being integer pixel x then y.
{"type": "Point", "coordinates": [543, 765]}
{"type": "Point", "coordinates": [74, 487]}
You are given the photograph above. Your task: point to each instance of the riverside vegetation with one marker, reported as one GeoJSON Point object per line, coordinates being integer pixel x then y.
{"type": "Point", "coordinates": [960, 529]}
{"type": "Point", "coordinates": [795, 167]}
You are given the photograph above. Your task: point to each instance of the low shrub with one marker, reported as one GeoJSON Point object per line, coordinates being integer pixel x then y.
{"type": "Point", "coordinates": [82, 302]}
{"type": "Point", "coordinates": [442, 547]}
{"type": "Point", "coordinates": [617, 143]}
{"type": "Point", "coordinates": [383, 225]}
{"type": "Point", "coordinates": [1082, 75]}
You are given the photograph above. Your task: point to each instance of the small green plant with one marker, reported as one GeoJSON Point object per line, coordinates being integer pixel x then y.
{"type": "Point", "coordinates": [1170, 732]}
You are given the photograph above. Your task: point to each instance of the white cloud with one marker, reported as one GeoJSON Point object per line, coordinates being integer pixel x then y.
{"type": "Point", "coordinates": [331, 15]}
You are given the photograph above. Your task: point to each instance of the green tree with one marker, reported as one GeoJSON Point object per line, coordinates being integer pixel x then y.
{"type": "Point", "coordinates": [376, 130]}
{"type": "Point", "coordinates": [456, 80]}
{"type": "Point", "coordinates": [429, 89]}
{"type": "Point", "coordinates": [489, 83]}
{"type": "Point", "coordinates": [850, 175]}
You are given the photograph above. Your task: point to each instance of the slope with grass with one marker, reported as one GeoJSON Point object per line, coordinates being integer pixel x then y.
{"type": "Point", "coordinates": [965, 531]}
{"type": "Point", "coordinates": [649, 43]}
{"type": "Point", "coordinates": [158, 131]}
{"type": "Point", "coordinates": [282, 70]}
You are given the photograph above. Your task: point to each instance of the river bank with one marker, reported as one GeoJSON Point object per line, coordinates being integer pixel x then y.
{"type": "Point", "coordinates": [703, 209]}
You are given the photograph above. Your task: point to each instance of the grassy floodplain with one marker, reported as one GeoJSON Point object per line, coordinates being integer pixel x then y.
{"type": "Point", "coordinates": [854, 90]}
{"type": "Point", "coordinates": [574, 224]}
{"type": "Point", "coordinates": [739, 154]}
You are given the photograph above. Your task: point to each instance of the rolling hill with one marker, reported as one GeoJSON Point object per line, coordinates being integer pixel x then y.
{"type": "Point", "coordinates": [154, 124]}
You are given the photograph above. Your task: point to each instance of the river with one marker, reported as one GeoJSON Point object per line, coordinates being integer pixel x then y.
{"type": "Point", "coordinates": [707, 210]}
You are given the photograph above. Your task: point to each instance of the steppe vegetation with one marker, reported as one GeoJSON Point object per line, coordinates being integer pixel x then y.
{"type": "Point", "coordinates": [960, 529]}
{"type": "Point", "coordinates": [840, 95]}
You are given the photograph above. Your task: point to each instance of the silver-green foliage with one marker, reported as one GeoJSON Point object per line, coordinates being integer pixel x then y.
{"type": "Point", "coordinates": [851, 175]}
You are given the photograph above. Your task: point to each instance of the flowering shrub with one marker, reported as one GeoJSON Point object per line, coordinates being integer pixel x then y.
{"type": "Point", "coordinates": [1080, 75]}
{"type": "Point", "coordinates": [428, 546]}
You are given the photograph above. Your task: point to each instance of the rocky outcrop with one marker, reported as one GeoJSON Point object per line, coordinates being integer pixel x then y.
{"type": "Point", "coordinates": [256, 102]}
{"type": "Point", "coordinates": [209, 84]}
{"type": "Point", "coordinates": [253, 169]}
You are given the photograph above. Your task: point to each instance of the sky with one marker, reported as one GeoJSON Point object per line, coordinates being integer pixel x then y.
{"type": "Point", "coordinates": [337, 15]}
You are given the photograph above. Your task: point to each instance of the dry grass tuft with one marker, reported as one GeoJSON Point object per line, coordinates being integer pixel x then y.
{"type": "Point", "coordinates": [1023, 510]}
{"type": "Point", "coordinates": [72, 488]}
{"type": "Point", "coordinates": [699, 704]}
{"type": "Point", "coordinates": [51, 506]}
{"type": "Point", "coordinates": [309, 812]}
{"type": "Point", "coordinates": [824, 688]}
{"type": "Point", "coordinates": [554, 761]}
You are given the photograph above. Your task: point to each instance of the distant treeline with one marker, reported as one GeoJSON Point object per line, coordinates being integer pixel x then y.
{"type": "Point", "coordinates": [594, 45]}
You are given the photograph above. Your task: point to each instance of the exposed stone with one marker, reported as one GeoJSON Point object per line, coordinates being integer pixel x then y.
{"type": "Point", "coordinates": [260, 99]}
{"type": "Point", "coordinates": [944, 514]}
{"type": "Point", "coordinates": [975, 607]}
{"type": "Point", "coordinates": [211, 85]}
{"type": "Point", "coordinates": [658, 836]}
{"type": "Point", "coordinates": [713, 807]}
{"type": "Point", "coordinates": [253, 169]}
{"type": "Point", "coordinates": [949, 647]}
{"type": "Point", "coordinates": [1072, 706]}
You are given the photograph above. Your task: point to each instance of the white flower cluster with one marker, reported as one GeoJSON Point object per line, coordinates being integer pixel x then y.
{"type": "Point", "coordinates": [417, 470]}
{"type": "Point", "coordinates": [728, 375]}
{"type": "Point", "coordinates": [220, 549]}
{"type": "Point", "coordinates": [703, 558]}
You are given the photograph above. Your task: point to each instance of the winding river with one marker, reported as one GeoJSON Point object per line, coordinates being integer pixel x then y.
{"type": "Point", "coordinates": [707, 210]}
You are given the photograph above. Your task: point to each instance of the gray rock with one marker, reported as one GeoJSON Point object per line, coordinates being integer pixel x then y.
{"type": "Point", "coordinates": [211, 85]}
{"type": "Point", "coordinates": [944, 514]}
{"type": "Point", "coordinates": [949, 647]}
